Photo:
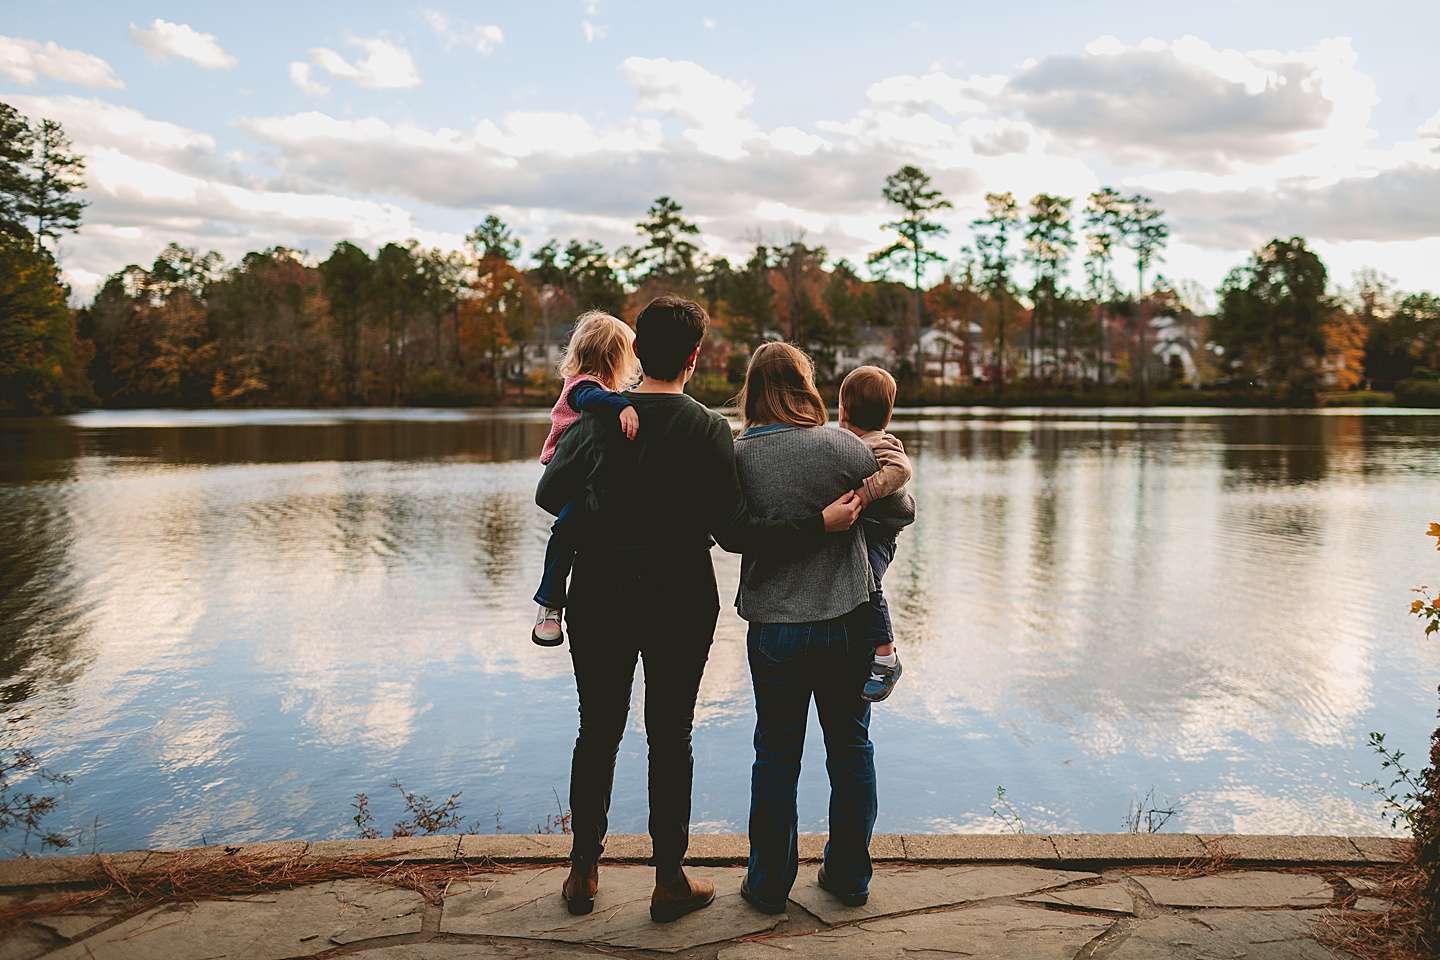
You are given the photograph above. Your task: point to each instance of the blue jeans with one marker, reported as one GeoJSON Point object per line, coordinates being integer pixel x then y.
{"type": "Point", "coordinates": [873, 616]}
{"type": "Point", "coordinates": [559, 558]}
{"type": "Point", "coordinates": [790, 663]}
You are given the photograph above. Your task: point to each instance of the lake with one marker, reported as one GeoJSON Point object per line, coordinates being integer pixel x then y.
{"type": "Point", "coordinates": [225, 625]}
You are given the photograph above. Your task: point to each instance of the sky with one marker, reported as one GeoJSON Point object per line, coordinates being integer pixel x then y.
{"type": "Point", "coordinates": [238, 127]}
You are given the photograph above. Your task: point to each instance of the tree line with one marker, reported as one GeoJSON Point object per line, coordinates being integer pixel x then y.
{"type": "Point", "coordinates": [415, 325]}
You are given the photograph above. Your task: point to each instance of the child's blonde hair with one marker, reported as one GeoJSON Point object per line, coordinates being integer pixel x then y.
{"type": "Point", "coordinates": [600, 348]}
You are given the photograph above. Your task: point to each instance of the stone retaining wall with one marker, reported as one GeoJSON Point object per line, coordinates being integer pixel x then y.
{"type": "Point", "coordinates": [1070, 851]}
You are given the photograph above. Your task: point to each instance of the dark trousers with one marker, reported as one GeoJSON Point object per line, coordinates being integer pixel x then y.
{"type": "Point", "coordinates": [661, 611]}
{"type": "Point", "coordinates": [872, 620]}
{"type": "Point", "coordinates": [559, 557]}
{"type": "Point", "coordinates": [790, 663]}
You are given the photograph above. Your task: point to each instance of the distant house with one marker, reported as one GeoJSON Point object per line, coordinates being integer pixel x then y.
{"type": "Point", "coordinates": [1180, 341]}
{"type": "Point", "coordinates": [873, 345]}
{"type": "Point", "coordinates": [545, 348]}
{"type": "Point", "coordinates": [944, 352]}
{"type": "Point", "coordinates": [942, 349]}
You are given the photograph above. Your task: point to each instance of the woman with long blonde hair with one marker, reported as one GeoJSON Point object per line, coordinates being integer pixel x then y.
{"type": "Point", "coordinates": [801, 641]}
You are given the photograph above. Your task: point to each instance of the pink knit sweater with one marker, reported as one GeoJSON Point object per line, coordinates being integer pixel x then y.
{"type": "Point", "coordinates": [561, 415]}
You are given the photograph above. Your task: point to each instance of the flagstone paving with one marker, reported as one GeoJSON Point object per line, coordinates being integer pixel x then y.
{"type": "Point", "coordinates": [1030, 906]}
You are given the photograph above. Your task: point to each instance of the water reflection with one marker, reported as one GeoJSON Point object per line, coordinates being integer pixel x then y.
{"type": "Point", "coordinates": [225, 626]}
{"type": "Point", "coordinates": [42, 640]}
{"type": "Point", "coordinates": [482, 439]}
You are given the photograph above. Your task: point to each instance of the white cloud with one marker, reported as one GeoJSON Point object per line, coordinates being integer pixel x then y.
{"type": "Point", "coordinates": [25, 61]}
{"type": "Point", "coordinates": [1375, 206]}
{"type": "Point", "coordinates": [164, 40]}
{"type": "Point", "coordinates": [783, 213]}
{"type": "Point", "coordinates": [998, 138]}
{"type": "Point", "coordinates": [713, 105]}
{"type": "Point", "coordinates": [300, 75]}
{"type": "Point", "coordinates": [951, 94]}
{"type": "Point", "coordinates": [797, 141]}
{"type": "Point", "coordinates": [592, 31]}
{"type": "Point", "coordinates": [386, 65]}
{"type": "Point", "coordinates": [484, 38]}
{"type": "Point", "coordinates": [1188, 105]}
{"type": "Point", "coordinates": [1430, 129]}
{"type": "Point", "coordinates": [92, 123]}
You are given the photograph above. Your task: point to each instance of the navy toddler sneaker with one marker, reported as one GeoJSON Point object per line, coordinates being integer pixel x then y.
{"type": "Point", "coordinates": [882, 681]}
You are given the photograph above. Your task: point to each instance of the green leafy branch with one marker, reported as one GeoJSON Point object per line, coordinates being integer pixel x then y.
{"type": "Point", "coordinates": [1402, 796]}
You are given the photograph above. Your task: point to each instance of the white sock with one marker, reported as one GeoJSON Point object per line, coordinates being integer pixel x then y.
{"type": "Point", "coordinates": [889, 661]}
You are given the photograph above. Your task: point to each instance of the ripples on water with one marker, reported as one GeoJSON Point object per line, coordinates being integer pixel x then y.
{"type": "Point", "coordinates": [223, 626]}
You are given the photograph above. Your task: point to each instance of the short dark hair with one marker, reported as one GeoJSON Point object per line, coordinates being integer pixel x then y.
{"type": "Point", "coordinates": [667, 331]}
{"type": "Point", "coordinates": [868, 395]}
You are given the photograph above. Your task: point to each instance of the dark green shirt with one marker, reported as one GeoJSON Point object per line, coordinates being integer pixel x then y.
{"type": "Point", "coordinates": [673, 487]}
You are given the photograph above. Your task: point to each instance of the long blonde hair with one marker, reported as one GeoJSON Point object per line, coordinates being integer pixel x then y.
{"type": "Point", "coordinates": [780, 388]}
{"type": "Point", "coordinates": [600, 348]}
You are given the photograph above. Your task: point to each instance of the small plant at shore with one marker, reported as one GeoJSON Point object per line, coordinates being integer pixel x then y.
{"type": "Point", "coordinates": [1007, 814]}
{"type": "Point", "coordinates": [1148, 815]}
{"type": "Point", "coordinates": [424, 816]}
{"type": "Point", "coordinates": [1402, 796]}
{"type": "Point", "coordinates": [23, 810]}
{"type": "Point", "coordinates": [558, 822]}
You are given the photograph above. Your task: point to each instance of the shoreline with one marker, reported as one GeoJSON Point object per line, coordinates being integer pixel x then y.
{"type": "Point", "coordinates": [1070, 851]}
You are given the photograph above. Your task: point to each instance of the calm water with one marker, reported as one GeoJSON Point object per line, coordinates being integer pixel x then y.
{"type": "Point", "coordinates": [223, 626]}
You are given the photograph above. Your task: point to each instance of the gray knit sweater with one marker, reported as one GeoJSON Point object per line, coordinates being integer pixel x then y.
{"type": "Point", "coordinates": [791, 472]}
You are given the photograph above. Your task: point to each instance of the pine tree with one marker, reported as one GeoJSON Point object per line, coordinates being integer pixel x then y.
{"type": "Point", "coordinates": [57, 176]}
{"type": "Point", "coordinates": [667, 252]}
{"type": "Point", "coordinates": [992, 246]}
{"type": "Point", "coordinates": [16, 144]}
{"type": "Point", "coordinates": [909, 189]}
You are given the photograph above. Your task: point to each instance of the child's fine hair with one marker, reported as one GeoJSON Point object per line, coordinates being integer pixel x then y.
{"type": "Point", "coordinates": [868, 395]}
{"type": "Point", "coordinates": [600, 347]}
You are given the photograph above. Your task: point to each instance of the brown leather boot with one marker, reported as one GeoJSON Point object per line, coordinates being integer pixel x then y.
{"type": "Point", "coordinates": [678, 896]}
{"type": "Point", "coordinates": [579, 888]}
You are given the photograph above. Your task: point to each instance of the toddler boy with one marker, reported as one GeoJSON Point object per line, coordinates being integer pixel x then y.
{"type": "Point", "coordinates": [867, 399]}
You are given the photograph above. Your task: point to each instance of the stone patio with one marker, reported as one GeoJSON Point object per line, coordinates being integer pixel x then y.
{"type": "Point", "coordinates": [1124, 897]}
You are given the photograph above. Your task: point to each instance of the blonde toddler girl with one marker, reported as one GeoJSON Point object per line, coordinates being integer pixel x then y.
{"type": "Point", "coordinates": [600, 359]}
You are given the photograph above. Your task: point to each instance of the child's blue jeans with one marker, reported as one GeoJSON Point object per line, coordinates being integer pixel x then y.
{"type": "Point", "coordinates": [559, 558]}
{"type": "Point", "coordinates": [873, 616]}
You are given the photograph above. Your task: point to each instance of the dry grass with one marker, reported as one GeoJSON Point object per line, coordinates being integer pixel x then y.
{"type": "Point", "coordinates": [1217, 860]}
{"type": "Point", "coordinates": [188, 877]}
{"type": "Point", "coordinates": [1394, 934]}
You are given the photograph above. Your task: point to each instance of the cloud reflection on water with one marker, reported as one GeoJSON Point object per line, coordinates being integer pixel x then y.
{"type": "Point", "coordinates": [202, 617]}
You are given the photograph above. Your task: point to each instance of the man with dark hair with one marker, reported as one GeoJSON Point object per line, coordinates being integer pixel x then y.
{"type": "Point", "coordinates": [667, 332]}
{"type": "Point", "coordinates": [643, 587]}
